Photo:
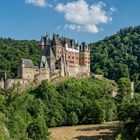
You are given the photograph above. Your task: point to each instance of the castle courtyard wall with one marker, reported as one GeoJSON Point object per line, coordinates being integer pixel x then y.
{"type": "Point", "coordinates": [78, 71]}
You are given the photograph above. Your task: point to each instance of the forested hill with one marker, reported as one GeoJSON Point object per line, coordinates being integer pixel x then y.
{"type": "Point", "coordinates": [114, 57]}
{"type": "Point", "coordinates": [11, 51]}
{"type": "Point", "coordinates": [118, 55]}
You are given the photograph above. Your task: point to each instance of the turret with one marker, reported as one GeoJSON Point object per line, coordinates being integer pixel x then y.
{"type": "Point", "coordinates": [73, 44]}
{"type": "Point", "coordinates": [84, 47]}
{"type": "Point", "coordinates": [42, 43]}
{"type": "Point", "coordinates": [47, 40]}
{"type": "Point", "coordinates": [45, 45]}
{"type": "Point", "coordinates": [56, 40]}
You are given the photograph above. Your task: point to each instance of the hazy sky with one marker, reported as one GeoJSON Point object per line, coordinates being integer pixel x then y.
{"type": "Point", "coordinates": [83, 20]}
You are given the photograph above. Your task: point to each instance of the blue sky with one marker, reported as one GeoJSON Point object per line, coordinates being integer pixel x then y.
{"type": "Point", "coordinates": [83, 20]}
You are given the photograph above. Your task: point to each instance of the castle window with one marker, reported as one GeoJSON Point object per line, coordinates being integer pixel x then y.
{"type": "Point", "coordinates": [57, 67]}
{"type": "Point", "coordinates": [71, 61]}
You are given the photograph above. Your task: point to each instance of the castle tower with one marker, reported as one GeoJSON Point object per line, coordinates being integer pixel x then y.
{"type": "Point", "coordinates": [63, 63]}
{"type": "Point", "coordinates": [26, 69]}
{"type": "Point", "coordinates": [45, 46]}
{"type": "Point", "coordinates": [56, 45]}
{"type": "Point", "coordinates": [84, 54]}
{"type": "Point", "coordinates": [84, 57]}
{"type": "Point", "coordinates": [42, 43]}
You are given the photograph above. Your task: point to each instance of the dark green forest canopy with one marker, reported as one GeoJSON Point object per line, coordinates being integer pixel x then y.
{"type": "Point", "coordinates": [11, 51]}
{"type": "Point", "coordinates": [118, 55]}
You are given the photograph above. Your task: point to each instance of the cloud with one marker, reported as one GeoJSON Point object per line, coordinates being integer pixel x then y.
{"type": "Point", "coordinates": [113, 9]}
{"type": "Point", "coordinates": [84, 17]}
{"type": "Point", "coordinates": [40, 3]}
{"type": "Point", "coordinates": [90, 28]}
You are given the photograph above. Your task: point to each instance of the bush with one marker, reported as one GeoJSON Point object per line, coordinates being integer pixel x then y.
{"type": "Point", "coordinates": [72, 118]}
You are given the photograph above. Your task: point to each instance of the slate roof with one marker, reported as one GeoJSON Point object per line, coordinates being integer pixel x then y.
{"type": "Point", "coordinates": [51, 53]}
{"type": "Point", "coordinates": [44, 62]}
{"type": "Point", "coordinates": [27, 63]}
{"type": "Point", "coordinates": [56, 40]}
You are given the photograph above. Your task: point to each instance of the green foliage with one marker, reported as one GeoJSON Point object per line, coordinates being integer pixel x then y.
{"type": "Point", "coordinates": [118, 56]}
{"type": "Point", "coordinates": [22, 115]}
{"type": "Point", "coordinates": [72, 101]}
{"type": "Point", "coordinates": [37, 130]}
{"type": "Point", "coordinates": [129, 112]}
{"type": "Point", "coordinates": [124, 88]}
{"type": "Point", "coordinates": [77, 101]}
{"type": "Point", "coordinates": [50, 97]}
{"type": "Point", "coordinates": [72, 118]}
{"type": "Point", "coordinates": [118, 137]}
{"type": "Point", "coordinates": [11, 52]}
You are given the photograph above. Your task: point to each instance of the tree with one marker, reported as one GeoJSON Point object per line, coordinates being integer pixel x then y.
{"type": "Point", "coordinates": [72, 118]}
{"type": "Point", "coordinates": [129, 112]}
{"type": "Point", "coordinates": [124, 88]}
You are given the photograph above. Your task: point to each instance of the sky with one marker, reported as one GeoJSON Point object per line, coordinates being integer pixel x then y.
{"type": "Point", "coordinates": [82, 20]}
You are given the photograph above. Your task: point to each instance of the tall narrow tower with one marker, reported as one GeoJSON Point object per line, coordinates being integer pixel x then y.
{"type": "Point", "coordinates": [45, 46]}
{"type": "Point", "coordinates": [84, 57]}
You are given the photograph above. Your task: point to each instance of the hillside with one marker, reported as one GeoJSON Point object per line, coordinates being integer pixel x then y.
{"type": "Point", "coordinates": [118, 55]}
{"type": "Point", "coordinates": [114, 57]}
{"type": "Point", "coordinates": [71, 102]}
{"type": "Point", "coordinates": [11, 51]}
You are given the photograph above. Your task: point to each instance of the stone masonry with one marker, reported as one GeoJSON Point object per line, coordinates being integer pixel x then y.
{"type": "Point", "coordinates": [60, 57]}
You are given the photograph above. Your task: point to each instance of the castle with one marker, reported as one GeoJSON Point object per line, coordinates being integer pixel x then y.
{"type": "Point", "coordinates": [60, 57]}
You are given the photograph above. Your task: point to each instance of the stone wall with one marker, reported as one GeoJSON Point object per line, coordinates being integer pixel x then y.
{"type": "Point", "coordinates": [78, 71]}
{"type": "Point", "coordinates": [42, 76]}
{"type": "Point", "coordinates": [84, 71]}
{"type": "Point", "coordinates": [28, 73]}
{"type": "Point", "coordinates": [17, 83]}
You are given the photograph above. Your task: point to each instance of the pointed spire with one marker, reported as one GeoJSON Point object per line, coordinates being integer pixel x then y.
{"type": "Point", "coordinates": [47, 40]}
{"type": "Point", "coordinates": [42, 41]}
